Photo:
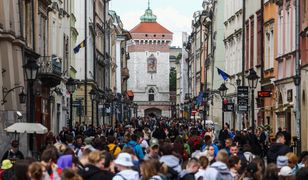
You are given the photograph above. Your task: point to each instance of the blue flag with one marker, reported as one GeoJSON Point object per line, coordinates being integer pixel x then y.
{"type": "Point", "coordinates": [223, 74]}
{"type": "Point", "coordinates": [81, 45]}
{"type": "Point", "coordinates": [199, 98]}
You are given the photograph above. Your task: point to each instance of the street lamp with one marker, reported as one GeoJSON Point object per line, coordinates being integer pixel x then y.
{"type": "Point", "coordinates": [253, 82]}
{"type": "Point", "coordinates": [92, 93]}
{"type": "Point", "coordinates": [223, 92]}
{"type": "Point", "coordinates": [22, 97]}
{"type": "Point", "coordinates": [31, 70]}
{"type": "Point", "coordinates": [71, 87]}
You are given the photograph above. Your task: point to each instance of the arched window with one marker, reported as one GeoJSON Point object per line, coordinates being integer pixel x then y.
{"type": "Point", "coordinates": [151, 94]}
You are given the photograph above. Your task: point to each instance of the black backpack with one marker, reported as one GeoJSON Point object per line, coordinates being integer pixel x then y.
{"type": "Point", "coordinates": [172, 174]}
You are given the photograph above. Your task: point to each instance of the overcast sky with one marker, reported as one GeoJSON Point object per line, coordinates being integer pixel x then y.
{"type": "Point", "coordinates": [175, 15]}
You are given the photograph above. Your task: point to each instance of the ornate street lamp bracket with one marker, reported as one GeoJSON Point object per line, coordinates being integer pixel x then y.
{"type": "Point", "coordinates": [6, 92]}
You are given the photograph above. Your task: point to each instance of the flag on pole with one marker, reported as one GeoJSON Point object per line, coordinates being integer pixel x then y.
{"type": "Point", "coordinates": [199, 98]}
{"type": "Point", "coordinates": [223, 74]}
{"type": "Point", "coordinates": [81, 45]}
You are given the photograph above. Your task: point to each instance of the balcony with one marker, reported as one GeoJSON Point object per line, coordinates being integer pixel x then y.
{"type": "Point", "coordinates": [50, 71]}
{"type": "Point", "coordinates": [125, 73]}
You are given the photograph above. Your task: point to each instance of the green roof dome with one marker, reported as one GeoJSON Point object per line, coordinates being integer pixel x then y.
{"type": "Point", "coordinates": [148, 15]}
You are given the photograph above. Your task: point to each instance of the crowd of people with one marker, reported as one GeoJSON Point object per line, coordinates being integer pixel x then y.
{"type": "Point", "coordinates": [158, 149]}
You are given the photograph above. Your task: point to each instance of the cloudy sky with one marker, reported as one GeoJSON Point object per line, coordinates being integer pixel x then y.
{"type": "Point", "coordinates": [175, 15]}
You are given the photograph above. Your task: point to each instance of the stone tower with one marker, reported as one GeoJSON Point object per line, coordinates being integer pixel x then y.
{"type": "Point", "coordinates": [149, 66]}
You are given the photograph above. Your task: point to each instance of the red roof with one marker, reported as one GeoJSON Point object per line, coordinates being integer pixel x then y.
{"type": "Point", "coordinates": [150, 27]}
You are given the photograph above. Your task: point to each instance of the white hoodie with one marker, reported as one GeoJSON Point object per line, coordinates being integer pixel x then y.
{"type": "Point", "coordinates": [171, 161]}
{"type": "Point", "coordinates": [127, 175]}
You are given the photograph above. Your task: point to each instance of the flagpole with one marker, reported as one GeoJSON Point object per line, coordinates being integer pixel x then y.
{"type": "Point", "coordinates": [86, 66]}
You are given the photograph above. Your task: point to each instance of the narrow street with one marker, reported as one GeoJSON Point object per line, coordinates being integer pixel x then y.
{"type": "Point", "coordinates": [153, 90]}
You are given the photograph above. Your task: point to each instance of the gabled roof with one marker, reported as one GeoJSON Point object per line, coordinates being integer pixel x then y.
{"type": "Point", "coordinates": [150, 27]}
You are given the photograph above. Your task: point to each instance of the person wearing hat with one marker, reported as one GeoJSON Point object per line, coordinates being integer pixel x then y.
{"type": "Point", "coordinates": [285, 171]}
{"type": "Point", "coordinates": [6, 171]}
{"type": "Point", "coordinates": [124, 163]}
{"type": "Point", "coordinates": [282, 161]}
{"type": "Point", "coordinates": [13, 153]}
{"type": "Point", "coordinates": [153, 150]}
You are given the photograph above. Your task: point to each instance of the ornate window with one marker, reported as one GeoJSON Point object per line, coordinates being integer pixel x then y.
{"type": "Point", "coordinates": [151, 94]}
{"type": "Point", "coordinates": [152, 64]}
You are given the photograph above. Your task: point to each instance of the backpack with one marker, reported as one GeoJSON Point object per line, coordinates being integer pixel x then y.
{"type": "Point", "coordinates": [134, 148]}
{"type": "Point", "coordinates": [221, 176]}
{"type": "Point", "coordinates": [171, 173]}
{"type": "Point", "coordinates": [183, 174]}
{"type": "Point", "coordinates": [195, 142]}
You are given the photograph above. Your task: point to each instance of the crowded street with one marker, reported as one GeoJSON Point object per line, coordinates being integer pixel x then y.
{"type": "Point", "coordinates": [153, 90]}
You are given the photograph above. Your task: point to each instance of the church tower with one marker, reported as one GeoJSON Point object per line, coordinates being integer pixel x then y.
{"type": "Point", "coordinates": [149, 66]}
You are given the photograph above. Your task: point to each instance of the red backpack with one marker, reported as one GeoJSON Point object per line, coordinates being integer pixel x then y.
{"type": "Point", "coordinates": [195, 142]}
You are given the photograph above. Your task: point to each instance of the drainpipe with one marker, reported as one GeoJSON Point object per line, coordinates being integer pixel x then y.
{"type": "Point", "coordinates": [33, 26]}
{"type": "Point", "coordinates": [212, 56]}
{"type": "Point", "coordinates": [262, 57]}
{"type": "Point", "coordinates": [243, 43]}
{"type": "Point", "coordinates": [86, 62]}
{"type": "Point", "coordinates": [298, 77]}
{"type": "Point", "coordinates": [243, 55]}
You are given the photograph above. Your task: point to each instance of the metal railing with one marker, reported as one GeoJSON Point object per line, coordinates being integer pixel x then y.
{"type": "Point", "coordinates": [50, 65]}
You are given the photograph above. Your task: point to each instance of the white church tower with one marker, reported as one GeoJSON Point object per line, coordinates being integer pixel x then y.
{"type": "Point", "coordinates": [149, 66]}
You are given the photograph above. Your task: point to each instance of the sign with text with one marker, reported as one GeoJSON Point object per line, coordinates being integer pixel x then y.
{"type": "Point", "coordinates": [229, 107]}
{"type": "Point", "coordinates": [242, 98]}
{"type": "Point", "coordinates": [262, 94]}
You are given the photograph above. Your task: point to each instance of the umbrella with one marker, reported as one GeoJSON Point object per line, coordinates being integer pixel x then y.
{"type": "Point", "coordinates": [29, 128]}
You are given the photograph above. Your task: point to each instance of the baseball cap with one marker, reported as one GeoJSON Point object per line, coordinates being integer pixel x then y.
{"type": "Point", "coordinates": [154, 142]}
{"type": "Point", "coordinates": [124, 159]}
{"type": "Point", "coordinates": [6, 164]}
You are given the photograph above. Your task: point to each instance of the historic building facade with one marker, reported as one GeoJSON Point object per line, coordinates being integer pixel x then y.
{"type": "Point", "coordinates": [304, 72]}
{"type": "Point", "coordinates": [149, 66]}
{"type": "Point", "coordinates": [285, 88]}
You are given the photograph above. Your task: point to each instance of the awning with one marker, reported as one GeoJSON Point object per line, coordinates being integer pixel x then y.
{"type": "Point", "coordinates": [29, 128]}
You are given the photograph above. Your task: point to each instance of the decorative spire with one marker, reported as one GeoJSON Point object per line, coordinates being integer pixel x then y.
{"type": "Point", "coordinates": [148, 15]}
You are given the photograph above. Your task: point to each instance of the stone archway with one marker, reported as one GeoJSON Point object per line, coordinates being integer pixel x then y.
{"type": "Point", "coordinates": [152, 112]}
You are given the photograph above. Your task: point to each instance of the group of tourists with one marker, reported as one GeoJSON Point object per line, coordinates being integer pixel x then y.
{"type": "Point", "coordinates": [158, 149]}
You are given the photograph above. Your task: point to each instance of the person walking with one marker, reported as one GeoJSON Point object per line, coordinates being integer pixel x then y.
{"type": "Point", "coordinates": [124, 164]}
{"type": "Point", "coordinates": [13, 153]}
{"type": "Point", "coordinates": [277, 149]}
{"type": "Point", "coordinates": [219, 169]}
{"type": "Point", "coordinates": [94, 170]}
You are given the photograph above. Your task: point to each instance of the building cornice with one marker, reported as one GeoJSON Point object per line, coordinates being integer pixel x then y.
{"type": "Point", "coordinates": [284, 80]}
{"type": "Point", "coordinates": [279, 58]}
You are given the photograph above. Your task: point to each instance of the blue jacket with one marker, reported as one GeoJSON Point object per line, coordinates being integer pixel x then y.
{"type": "Point", "coordinates": [136, 147]}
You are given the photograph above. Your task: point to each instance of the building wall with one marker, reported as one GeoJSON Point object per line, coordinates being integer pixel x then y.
{"type": "Point", "coordinates": [304, 73]}
{"type": "Point", "coordinates": [140, 80]}
{"type": "Point", "coordinates": [213, 79]}
{"type": "Point", "coordinates": [80, 25]}
{"type": "Point", "coordinates": [11, 62]}
{"type": "Point", "coordinates": [270, 64]}
{"type": "Point", "coordinates": [286, 61]}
